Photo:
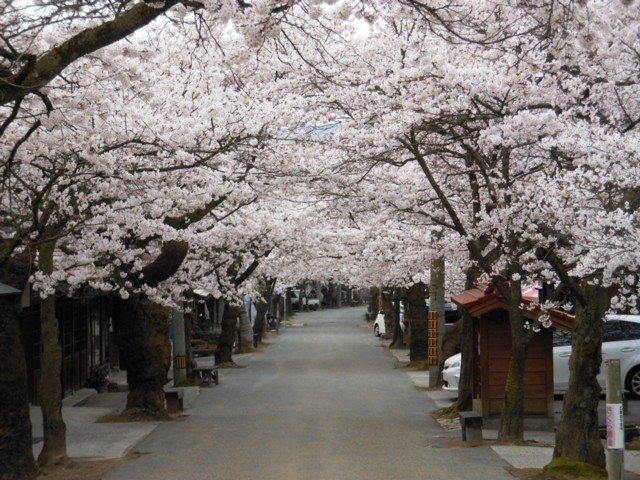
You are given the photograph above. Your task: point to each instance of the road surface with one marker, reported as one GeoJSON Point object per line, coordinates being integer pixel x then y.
{"type": "Point", "coordinates": [322, 401]}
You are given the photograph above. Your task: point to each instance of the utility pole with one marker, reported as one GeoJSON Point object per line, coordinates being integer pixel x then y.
{"type": "Point", "coordinates": [179, 348]}
{"type": "Point", "coordinates": [436, 318]}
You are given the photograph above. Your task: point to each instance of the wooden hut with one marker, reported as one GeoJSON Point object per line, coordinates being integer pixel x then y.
{"type": "Point", "coordinates": [492, 351]}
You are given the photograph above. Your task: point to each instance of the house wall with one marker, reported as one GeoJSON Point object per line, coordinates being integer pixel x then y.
{"type": "Point", "coordinates": [84, 338]}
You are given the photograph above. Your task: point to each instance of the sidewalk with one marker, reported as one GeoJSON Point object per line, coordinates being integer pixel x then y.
{"type": "Point", "coordinates": [530, 456]}
{"type": "Point", "coordinates": [88, 439]}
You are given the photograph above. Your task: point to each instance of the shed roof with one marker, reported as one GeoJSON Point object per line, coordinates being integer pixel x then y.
{"type": "Point", "coordinates": [483, 298]}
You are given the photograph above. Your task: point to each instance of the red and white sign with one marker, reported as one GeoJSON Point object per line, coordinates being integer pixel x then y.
{"type": "Point", "coordinates": [615, 426]}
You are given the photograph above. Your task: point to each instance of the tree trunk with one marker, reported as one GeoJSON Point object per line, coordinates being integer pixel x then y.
{"type": "Point", "coordinates": [398, 336]}
{"type": "Point", "coordinates": [228, 336]}
{"type": "Point", "coordinates": [260, 325]}
{"type": "Point", "coordinates": [387, 308]}
{"type": "Point", "coordinates": [266, 287]}
{"type": "Point", "coordinates": [465, 382]}
{"type": "Point", "coordinates": [333, 294]}
{"type": "Point", "coordinates": [577, 436]}
{"type": "Point", "coordinates": [511, 428]}
{"type": "Point", "coordinates": [54, 447]}
{"type": "Point", "coordinates": [16, 451]}
{"type": "Point", "coordinates": [246, 330]}
{"type": "Point", "coordinates": [141, 329]}
{"type": "Point", "coordinates": [416, 314]}
{"type": "Point", "coordinates": [374, 295]}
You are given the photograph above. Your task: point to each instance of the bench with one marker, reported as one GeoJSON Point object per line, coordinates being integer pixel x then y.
{"type": "Point", "coordinates": [175, 400]}
{"type": "Point", "coordinates": [471, 424]}
{"type": "Point", "coordinates": [207, 374]}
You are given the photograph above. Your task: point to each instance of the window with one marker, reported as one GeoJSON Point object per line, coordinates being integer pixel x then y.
{"type": "Point", "coordinates": [615, 331]}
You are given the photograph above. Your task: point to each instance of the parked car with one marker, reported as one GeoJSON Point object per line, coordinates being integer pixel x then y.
{"type": "Point", "coordinates": [309, 302]}
{"type": "Point", "coordinates": [451, 373]}
{"type": "Point", "coordinates": [379, 327]}
{"type": "Point", "coordinates": [621, 339]}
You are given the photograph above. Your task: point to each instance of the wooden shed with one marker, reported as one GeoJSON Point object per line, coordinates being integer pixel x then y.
{"type": "Point", "coordinates": [492, 351]}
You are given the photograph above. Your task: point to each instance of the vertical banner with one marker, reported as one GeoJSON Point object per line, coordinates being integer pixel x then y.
{"type": "Point", "coordinates": [432, 332]}
{"type": "Point", "coordinates": [615, 426]}
{"type": "Point", "coordinates": [614, 413]}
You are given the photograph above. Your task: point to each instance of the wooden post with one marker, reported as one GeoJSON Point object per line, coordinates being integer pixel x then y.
{"type": "Point", "coordinates": [615, 420]}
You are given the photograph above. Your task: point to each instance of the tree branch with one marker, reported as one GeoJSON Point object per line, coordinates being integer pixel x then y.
{"type": "Point", "coordinates": [36, 75]}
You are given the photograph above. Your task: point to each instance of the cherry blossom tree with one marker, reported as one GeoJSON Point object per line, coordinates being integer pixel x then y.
{"type": "Point", "coordinates": [349, 142]}
{"type": "Point", "coordinates": [497, 115]}
{"type": "Point", "coordinates": [38, 114]}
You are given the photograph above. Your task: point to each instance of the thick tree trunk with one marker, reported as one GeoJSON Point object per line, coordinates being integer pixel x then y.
{"type": "Point", "coordinates": [246, 330]}
{"type": "Point", "coordinates": [54, 447]}
{"type": "Point", "coordinates": [16, 451]}
{"type": "Point", "coordinates": [332, 292]}
{"type": "Point", "coordinates": [416, 314]}
{"type": "Point", "coordinates": [465, 383]}
{"type": "Point", "coordinates": [260, 325]}
{"type": "Point", "coordinates": [141, 329]}
{"type": "Point", "coordinates": [398, 337]}
{"type": "Point", "coordinates": [374, 295]}
{"type": "Point", "coordinates": [387, 308]}
{"type": "Point", "coordinates": [511, 428]}
{"type": "Point", "coordinates": [266, 287]}
{"type": "Point", "coordinates": [577, 436]}
{"type": "Point", "coordinates": [228, 336]}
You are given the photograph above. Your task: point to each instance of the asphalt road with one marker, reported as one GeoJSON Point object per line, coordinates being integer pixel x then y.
{"type": "Point", "coordinates": [322, 401]}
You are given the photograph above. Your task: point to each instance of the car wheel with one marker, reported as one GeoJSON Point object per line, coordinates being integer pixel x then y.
{"type": "Point", "coordinates": [376, 330]}
{"type": "Point", "coordinates": [632, 383]}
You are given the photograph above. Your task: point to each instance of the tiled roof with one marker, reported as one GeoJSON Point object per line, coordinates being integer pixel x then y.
{"type": "Point", "coordinates": [483, 298]}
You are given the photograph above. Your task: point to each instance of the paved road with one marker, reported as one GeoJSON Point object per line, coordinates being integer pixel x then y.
{"type": "Point", "coordinates": [323, 401]}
